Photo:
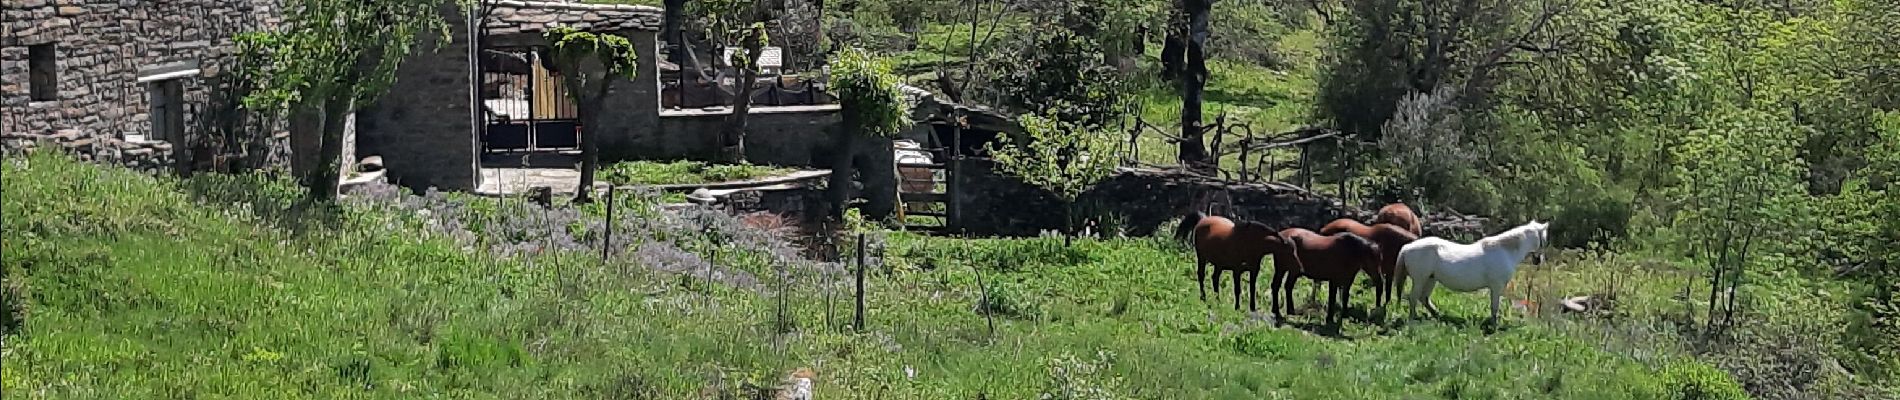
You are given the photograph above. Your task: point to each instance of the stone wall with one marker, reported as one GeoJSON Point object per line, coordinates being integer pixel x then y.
{"type": "Point", "coordinates": [989, 203]}
{"type": "Point", "coordinates": [773, 136]}
{"type": "Point", "coordinates": [100, 47]}
{"type": "Point", "coordinates": [425, 126]}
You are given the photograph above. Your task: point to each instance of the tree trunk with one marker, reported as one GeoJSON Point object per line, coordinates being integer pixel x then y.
{"type": "Point", "coordinates": [589, 111]}
{"type": "Point", "coordinates": [324, 178]}
{"type": "Point", "coordinates": [845, 148]}
{"type": "Point", "coordinates": [877, 167]}
{"type": "Point", "coordinates": [732, 140]}
{"type": "Point", "coordinates": [674, 17]}
{"type": "Point", "coordinates": [1193, 153]}
{"type": "Point", "coordinates": [1173, 48]}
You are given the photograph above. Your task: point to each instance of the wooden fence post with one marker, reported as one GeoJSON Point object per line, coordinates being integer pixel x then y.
{"type": "Point", "coordinates": [607, 238]}
{"type": "Point", "coordinates": [857, 319]}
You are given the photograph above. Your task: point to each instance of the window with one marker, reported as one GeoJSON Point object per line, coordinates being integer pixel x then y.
{"type": "Point", "coordinates": [168, 110]}
{"type": "Point", "coordinates": [42, 78]}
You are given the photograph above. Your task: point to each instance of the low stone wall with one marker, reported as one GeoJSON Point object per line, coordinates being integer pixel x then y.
{"type": "Point", "coordinates": [1139, 200]}
{"type": "Point", "coordinates": [777, 138]}
{"type": "Point", "coordinates": [148, 157]}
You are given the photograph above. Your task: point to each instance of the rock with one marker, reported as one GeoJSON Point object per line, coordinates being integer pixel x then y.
{"type": "Point", "coordinates": [701, 196]}
{"type": "Point", "coordinates": [1576, 304]}
{"type": "Point", "coordinates": [69, 11]}
{"type": "Point", "coordinates": [370, 164]}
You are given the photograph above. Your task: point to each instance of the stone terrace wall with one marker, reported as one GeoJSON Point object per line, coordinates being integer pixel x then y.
{"type": "Point", "coordinates": [994, 204]}
{"type": "Point", "coordinates": [776, 138]}
{"type": "Point", "coordinates": [100, 45]}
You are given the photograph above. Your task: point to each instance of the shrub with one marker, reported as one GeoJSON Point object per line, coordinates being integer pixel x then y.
{"type": "Point", "coordinates": [1691, 380]}
{"type": "Point", "coordinates": [1011, 300]}
{"type": "Point", "coordinates": [1076, 378]}
{"type": "Point", "coordinates": [1592, 217]}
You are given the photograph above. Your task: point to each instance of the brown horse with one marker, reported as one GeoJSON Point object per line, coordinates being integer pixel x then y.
{"type": "Point", "coordinates": [1390, 238]}
{"type": "Point", "coordinates": [1401, 215]}
{"type": "Point", "coordinates": [1336, 260]}
{"type": "Point", "coordinates": [1227, 246]}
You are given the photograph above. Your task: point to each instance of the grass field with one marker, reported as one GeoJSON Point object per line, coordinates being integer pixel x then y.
{"type": "Point", "coordinates": [135, 287]}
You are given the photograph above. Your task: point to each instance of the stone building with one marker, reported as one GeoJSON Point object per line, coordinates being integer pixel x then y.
{"type": "Point", "coordinates": [128, 79]}
{"type": "Point", "coordinates": [116, 80]}
{"type": "Point", "coordinates": [431, 126]}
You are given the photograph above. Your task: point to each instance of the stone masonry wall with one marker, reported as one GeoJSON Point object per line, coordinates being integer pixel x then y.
{"type": "Point", "coordinates": [100, 46]}
{"type": "Point", "coordinates": [425, 126]}
{"type": "Point", "coordinates": [1142, 199]}
{"type": "Point", "coordinates": [776, 138]}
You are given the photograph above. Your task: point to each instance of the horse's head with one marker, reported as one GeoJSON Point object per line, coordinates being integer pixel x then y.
{"type": "Point", "coordinates": [1535, 235]}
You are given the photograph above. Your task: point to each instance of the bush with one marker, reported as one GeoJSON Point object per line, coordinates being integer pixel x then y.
{"type": "Point", "coordinates": [1010, 300]}
{"type": "Point", "coordinates": [1076, 378]}
{"type": "Point", "coordinates": [1875, 331]}
{"type": "Point", "coordinates": [1592, 217]}
{"type": "Point", "coordinates": [1691, 380]}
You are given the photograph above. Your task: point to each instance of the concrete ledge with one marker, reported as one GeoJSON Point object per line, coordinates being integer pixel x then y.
{"type": "Point", "coordinates": [768, 183]}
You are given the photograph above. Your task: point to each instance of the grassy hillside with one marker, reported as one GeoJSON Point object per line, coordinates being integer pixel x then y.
{"type": "Point", "coordinates": [135, 287]}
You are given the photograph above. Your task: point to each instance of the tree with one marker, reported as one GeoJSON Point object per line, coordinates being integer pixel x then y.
{"type": "Point", "coordinates": [874, 109]}
{"type": "Point", "coordinates": [590, 63]}
{"type": "Point", "coordinates": [1063, 77]}
{"type": "Point", "coordinates": [1184, 53]}
{"type": "Point", "coordinates": [738, 23]}
{"type": "Point", "coordinates": [330, 58]}
{"type": "Point", "coordinates": [1389, 48]}
{"type": "Point", "coordinates": [1062, 157]}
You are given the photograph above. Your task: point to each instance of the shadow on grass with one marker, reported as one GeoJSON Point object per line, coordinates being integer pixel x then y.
{"type": "Point", "coordinates": [279, 203]}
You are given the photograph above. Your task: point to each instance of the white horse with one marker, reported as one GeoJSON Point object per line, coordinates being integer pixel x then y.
{"type": "Point", "coordinates": [1487, 264]}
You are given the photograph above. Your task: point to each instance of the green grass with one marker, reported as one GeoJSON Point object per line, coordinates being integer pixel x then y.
{"type": "Point", "coordinates": [135, 289]}
{"type": "Point", "coordinates": [684, 172]}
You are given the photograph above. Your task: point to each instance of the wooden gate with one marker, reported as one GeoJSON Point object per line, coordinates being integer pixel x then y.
{"type": "Point", "coordinates": [527, 106]}
{"type": "Point", "coordinates": [924, 187]}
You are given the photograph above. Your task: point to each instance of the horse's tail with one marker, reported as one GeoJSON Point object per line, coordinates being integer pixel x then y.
{"type": "Point", "coordinates": [1185, 232]}
{"type": "Point", "coordinates": [1399, 273]}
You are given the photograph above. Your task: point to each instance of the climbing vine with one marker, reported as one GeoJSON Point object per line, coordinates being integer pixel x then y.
{"type": "Point", "coordinates": [870, 94]}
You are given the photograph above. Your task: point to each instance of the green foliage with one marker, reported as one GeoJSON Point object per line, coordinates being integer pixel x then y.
{"type": "Point", "coordinates": [732, 24]}
{"type": "Point", "coordinates": [614, 53]}
{"type": "Point", "coordinates": [1062, 157]}
{"type": "Point", "coordinates": [1689, 380]}
{"type": "Point", "coordinates": [337, 48]}
{"type": "Point", "coordinates": [1740, 174]}
{"type": "Point", "coordinates": [871, 96]}
{"type": "Point", "coordinates": [683, 172]}
{"type": "Point", "coordinates": [1076, 378]}
{"type": "Point", "coordinates": [1060, 74]}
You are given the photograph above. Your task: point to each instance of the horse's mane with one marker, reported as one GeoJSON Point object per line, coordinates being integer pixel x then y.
{"type": "Point", "coordinates": [1356, 240]}
{"type": "Point", "coordinates": [1511, 239]}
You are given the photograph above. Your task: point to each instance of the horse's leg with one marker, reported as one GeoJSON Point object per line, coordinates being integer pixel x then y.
{"type": "Point", "coordinates": [1273, 292]}
{"type": "Point", "coordinates": [1292, 280]}
{"type": "Point", "coordinates": [1427, 295]}
{"type": "Point", "coordinates": [1495, 295]}
{"type": "Point", "coordinates": [1200, 273]}
{"type": "Point", "coordinates": [1333, 306]}
{"type": "Point", "coordinates": [1253, 290]}
{"type": "Point", "coordinates": [1237, 273]}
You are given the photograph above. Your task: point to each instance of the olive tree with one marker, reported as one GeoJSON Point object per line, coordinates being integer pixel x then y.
{"type": "Point", "coordinates": [874, 110]}
{"type": "Point", "coordinates": [330, 58]}
{"type": "Point", "coordinates": [741, 24]}
{"type": "Point", "coordinates": [1064, 158]}
{"type": "Point", "coordinates": [590, 63]}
